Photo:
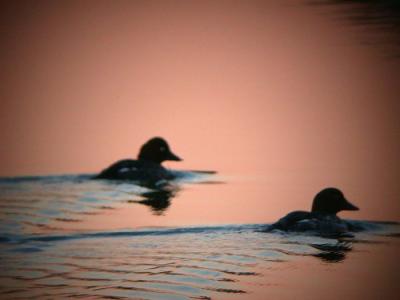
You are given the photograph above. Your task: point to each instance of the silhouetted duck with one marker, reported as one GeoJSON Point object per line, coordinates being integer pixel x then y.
{"type": "Point", "coordinates": [322, 218]}
{"type": "Point", "coordinates": [147, 167]}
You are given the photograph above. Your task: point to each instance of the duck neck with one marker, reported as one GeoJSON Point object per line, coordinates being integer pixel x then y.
{"type": "Point", "coordinates": [149, 160]}
{"type": "Point", "coordinates": [324, 215]}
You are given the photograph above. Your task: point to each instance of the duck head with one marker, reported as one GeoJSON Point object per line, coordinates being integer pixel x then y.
{"type": "Point", "coordinates": [331, 201]}
{"type": "Point", "coordinates": [157, 150]}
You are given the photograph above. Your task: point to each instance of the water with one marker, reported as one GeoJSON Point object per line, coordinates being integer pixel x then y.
{"type": "Point", "coordinates": [288, 96]}
{"type": "Point", "coordinates": [51, 247]}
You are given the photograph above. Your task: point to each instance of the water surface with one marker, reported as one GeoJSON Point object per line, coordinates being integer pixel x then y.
{"type": "Point", "coordinates": [283, 98]}
{"type": "Point", "coordinates": [60, 238]}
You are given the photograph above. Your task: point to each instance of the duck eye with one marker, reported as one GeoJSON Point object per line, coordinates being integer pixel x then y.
{"type": "Point", "coordinates": [162, 148]}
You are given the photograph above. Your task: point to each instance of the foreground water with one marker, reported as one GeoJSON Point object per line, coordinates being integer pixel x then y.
{"type": "Point", "coordinates": [66, 237]}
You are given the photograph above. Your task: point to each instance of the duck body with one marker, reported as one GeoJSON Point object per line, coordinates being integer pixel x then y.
{"type": "Point", "coordinates": [322, 218]}
{"type": "Point", "coordinates": [146, 168]}
{"type": "Point", "coordinates": [301, 221]}
{"type": "Point", "coordinates": [140, 170]}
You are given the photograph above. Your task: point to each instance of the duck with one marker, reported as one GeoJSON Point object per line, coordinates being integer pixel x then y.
{"type": "Point", "coordinates": [322, 218]}
{"type": "Point", "coordinates": [147, 167]}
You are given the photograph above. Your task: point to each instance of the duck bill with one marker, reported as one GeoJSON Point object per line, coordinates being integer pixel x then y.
{"type": "Point", "coordinates": [172, 156]}
{"type": "Point", "coordinates": [349, 206]}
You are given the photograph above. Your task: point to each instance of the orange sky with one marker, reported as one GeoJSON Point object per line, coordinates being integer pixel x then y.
{"type": "Point", "coordinates": [274, 89]}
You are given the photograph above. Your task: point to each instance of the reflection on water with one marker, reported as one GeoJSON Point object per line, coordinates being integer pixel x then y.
{"type": "Point", "coordinates": [383, 12]}
{"type": "Point", "coordinates": [49, 249]}
{"type": "Point", "coordinates": [158, 201]}
{"type": "Point", "coordinates": [72, 237]}
{"type": "Point", "coordinates": [37, 204]}
{"type": "Point", "coordinates": [380, 19]}
{"type": "Point", "coordinates": [182, 263]}
{"type": "Point", "coordinates": [159, 197]}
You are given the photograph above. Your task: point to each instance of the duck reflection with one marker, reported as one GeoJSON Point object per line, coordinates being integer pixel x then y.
{"type": "Point", "coordinates": [333, 253]}
{"type": "Point", "coordinates": [158, 200]}
{"type": "Point", "coordinates": [331, 256]}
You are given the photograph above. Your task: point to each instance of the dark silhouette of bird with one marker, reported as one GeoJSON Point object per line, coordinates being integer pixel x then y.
{"type": "Point", "coordinates": [323, 216]}
{"type": "Point", "coordinates": [147, 167]}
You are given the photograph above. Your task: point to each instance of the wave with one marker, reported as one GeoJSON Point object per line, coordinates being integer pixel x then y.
{"type": "Point", "coordinates": [378, 227]}
{"type": "Point", "coordinates": [46, 178]}
{"type": "Point", "coordinates": [134, 233]}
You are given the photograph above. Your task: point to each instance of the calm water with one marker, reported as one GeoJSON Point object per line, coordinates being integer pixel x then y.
{"type": "Point", "coordinates": [52, 247]}
{"type": "Point", "coordinates": [291, 95]}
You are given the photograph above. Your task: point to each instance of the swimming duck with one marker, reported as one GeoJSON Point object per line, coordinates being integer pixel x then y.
{"type": "Point", "coordinates": [322, 218]}
{"type": "Point", "coordinates": [147, 167]}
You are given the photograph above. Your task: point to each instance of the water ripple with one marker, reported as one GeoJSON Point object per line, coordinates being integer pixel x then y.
{"type": "Point", "coordinates": [40, 259]}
